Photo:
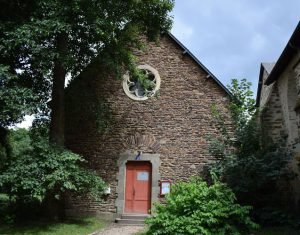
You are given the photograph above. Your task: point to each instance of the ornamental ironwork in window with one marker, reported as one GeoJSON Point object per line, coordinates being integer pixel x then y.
{"type": "Point", "coordinates": [142, 90]}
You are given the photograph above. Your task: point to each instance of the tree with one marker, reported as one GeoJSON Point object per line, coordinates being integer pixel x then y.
{"type": "Point", "coordinates": [16, 100]}
{"type": "Point", "coordinates": [249, 166]}
{"type": "Point", "coordinates": [43, 41]}
{"type": "Point", "coordinates": [39, 172]}
{"type": "Point", "coordinates": [50, 39]}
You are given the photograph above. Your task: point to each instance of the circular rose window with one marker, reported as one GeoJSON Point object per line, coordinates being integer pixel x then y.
{"type": "Point", "coordinates": [135, 90]}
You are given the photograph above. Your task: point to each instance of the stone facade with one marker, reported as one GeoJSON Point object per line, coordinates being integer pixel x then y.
{"type": "Point", "coordinates": [266, 91]}
{"type": "Point", "coordinates": [279, 102]}
{"type": "Point", "coordinates": [279, 106]}
{"type": "Point", "coordinates": [271, 117]}
{"type": "Point", "coordinates": [170, 129]}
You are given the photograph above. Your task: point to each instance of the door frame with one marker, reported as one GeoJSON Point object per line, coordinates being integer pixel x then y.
{"type": "Point", "coordinates": [155, 161]}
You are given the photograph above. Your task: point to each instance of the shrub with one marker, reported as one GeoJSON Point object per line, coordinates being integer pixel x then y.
{"type": "Point", "coordinates": [6, 214]}
{"type": "Point", "coordinates": [39, 168]}
{"type": "Point", "coordinates": [247, 160]}
{"type": "Point", "coordinates": [38, 172]}
{"type": "Point", "coordinates": [194, 207]}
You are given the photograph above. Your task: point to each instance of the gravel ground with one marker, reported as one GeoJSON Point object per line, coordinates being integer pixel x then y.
{"type": "Point", "coordinates": [115, 229]}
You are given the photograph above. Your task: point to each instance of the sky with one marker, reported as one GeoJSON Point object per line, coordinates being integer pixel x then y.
{"type": "Point", "coordinates": [232, 37]}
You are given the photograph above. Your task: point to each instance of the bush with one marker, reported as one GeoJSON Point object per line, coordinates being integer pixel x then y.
{"type": "Point", "coordinates": [6, 213]}
{"type": "Point", "coordinates": [247, 160]}
{"type": "Point", "coordinates": [40, 168]}
{"type": "Point", "coordinates": [194, 207]}
{"type": "Point", "coordinates": [37, 172]}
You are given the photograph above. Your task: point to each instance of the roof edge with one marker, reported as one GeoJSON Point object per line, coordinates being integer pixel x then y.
{"type": "Point", "coordinates": [290, 49]}
{"type": "Point", "coordinates": [187, 51]}
{"type": "Point", "coordinates": [268, 67]}
{"type": "Point", "coordinates": [258, 94]}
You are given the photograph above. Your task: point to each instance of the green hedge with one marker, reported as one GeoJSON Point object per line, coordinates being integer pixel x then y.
{"type": "Point", "coordinates": [194, 207]}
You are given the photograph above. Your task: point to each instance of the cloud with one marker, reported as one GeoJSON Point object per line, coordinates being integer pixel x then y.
{"type": "Point", "coordinates": [182, 30]}
{"type": "Point", "coordinates": [231, 38]}
{"type": "Point", "coordinates": [258, 42]}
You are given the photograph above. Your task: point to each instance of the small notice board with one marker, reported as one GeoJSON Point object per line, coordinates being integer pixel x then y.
{"type": "Point", "coordinates": [165, 187]}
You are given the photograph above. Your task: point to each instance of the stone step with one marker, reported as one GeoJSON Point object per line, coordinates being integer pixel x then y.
{"type": "Point", "coordinates": [129, 221]}
{"type": "Point", "coordinates": [132, 219]}
{"type": "Point", "coordinates": [135, 216]}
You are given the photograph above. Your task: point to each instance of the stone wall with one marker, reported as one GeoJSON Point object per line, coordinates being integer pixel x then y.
{"type": "Point", "coordinates": [266, 90]}
{"type": "Point", "coordinates": [280, 121]}
{"type": "Point", "coordinates": [279, 107]}
{"type": "Point", "coordinates": [174, 124]}
{"type": "Point", "coordinates": [288, 97]}
{"type": "Point", "coordinates": [271, 118]}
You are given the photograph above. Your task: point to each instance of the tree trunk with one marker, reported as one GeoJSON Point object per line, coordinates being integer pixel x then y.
{"type": "Point", "coordinates": [5, 146]}
{"type": "Point", "coordinates": [57, 124]}
{"type": "Point", "coordinates": [52, 208]}
{"type": "Point", "coordinates": [55, 208]}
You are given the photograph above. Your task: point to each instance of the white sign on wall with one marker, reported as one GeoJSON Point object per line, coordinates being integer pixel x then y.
{"type": "Point", "coordinates": [165, 188]}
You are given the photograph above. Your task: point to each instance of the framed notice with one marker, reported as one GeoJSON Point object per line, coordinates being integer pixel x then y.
{"type": "Point", "coordinates": [165, 187]}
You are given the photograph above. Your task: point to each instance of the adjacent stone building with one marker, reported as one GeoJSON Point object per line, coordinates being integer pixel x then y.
{"type": "Point", "coordinates": [278, 97]}
{"type": "Point", "coordinates": [140, 140]}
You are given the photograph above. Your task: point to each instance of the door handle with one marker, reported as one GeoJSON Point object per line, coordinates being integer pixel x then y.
{"type": "Point", "coordinates": [133, 191]}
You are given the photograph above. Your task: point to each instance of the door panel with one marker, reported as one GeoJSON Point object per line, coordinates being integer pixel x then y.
{"type": "Point", "coordinates": [138, 187]}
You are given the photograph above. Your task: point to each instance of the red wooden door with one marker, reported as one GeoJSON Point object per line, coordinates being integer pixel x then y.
{"type": "Point", "coordinates": [138, 187]}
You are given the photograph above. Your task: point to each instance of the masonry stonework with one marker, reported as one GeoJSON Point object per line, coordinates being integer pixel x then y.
{"type": "Point", "coordinates": [173, 125]}
{"type": "Point", "coordinates": [271, 117]}
{"type": "Point", "coordinates": [279, 105]}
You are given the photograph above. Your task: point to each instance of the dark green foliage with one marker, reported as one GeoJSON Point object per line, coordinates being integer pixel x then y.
{"type": "Point", "coordinates": [6, 215]}
{"type": "Point", "coordinates": [252, 169]}
{"type": "Point", "coordinates": [96, 30]}
{"type": "Point", "coordinates": [37, 169]}
{"type": "Point", "coordinates": [270, 216]}
{"type": "Point", "coordinates": [138, 74]}
{"type": "Point", "coordinates": [4, 146]}
{"type": "Point", "coordinates": [93, 27]}
{"type": "Point", "coordinates": [194, 207]}
{"type": "Point", "coordinates": [43, 41]}
{"type": "Point", "coordinates": [16, 100]}
{"type": "Point", "coordinates": [278, 230]}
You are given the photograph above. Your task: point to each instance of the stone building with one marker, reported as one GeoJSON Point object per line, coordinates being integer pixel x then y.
{"type": "Point", "coordinates": [278, 97]}
{"type": "Point", "coordinates": [141, 140]}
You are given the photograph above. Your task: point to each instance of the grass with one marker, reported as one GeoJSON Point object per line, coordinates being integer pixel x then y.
{"type": "Point", "coordinates": [71, 227]}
